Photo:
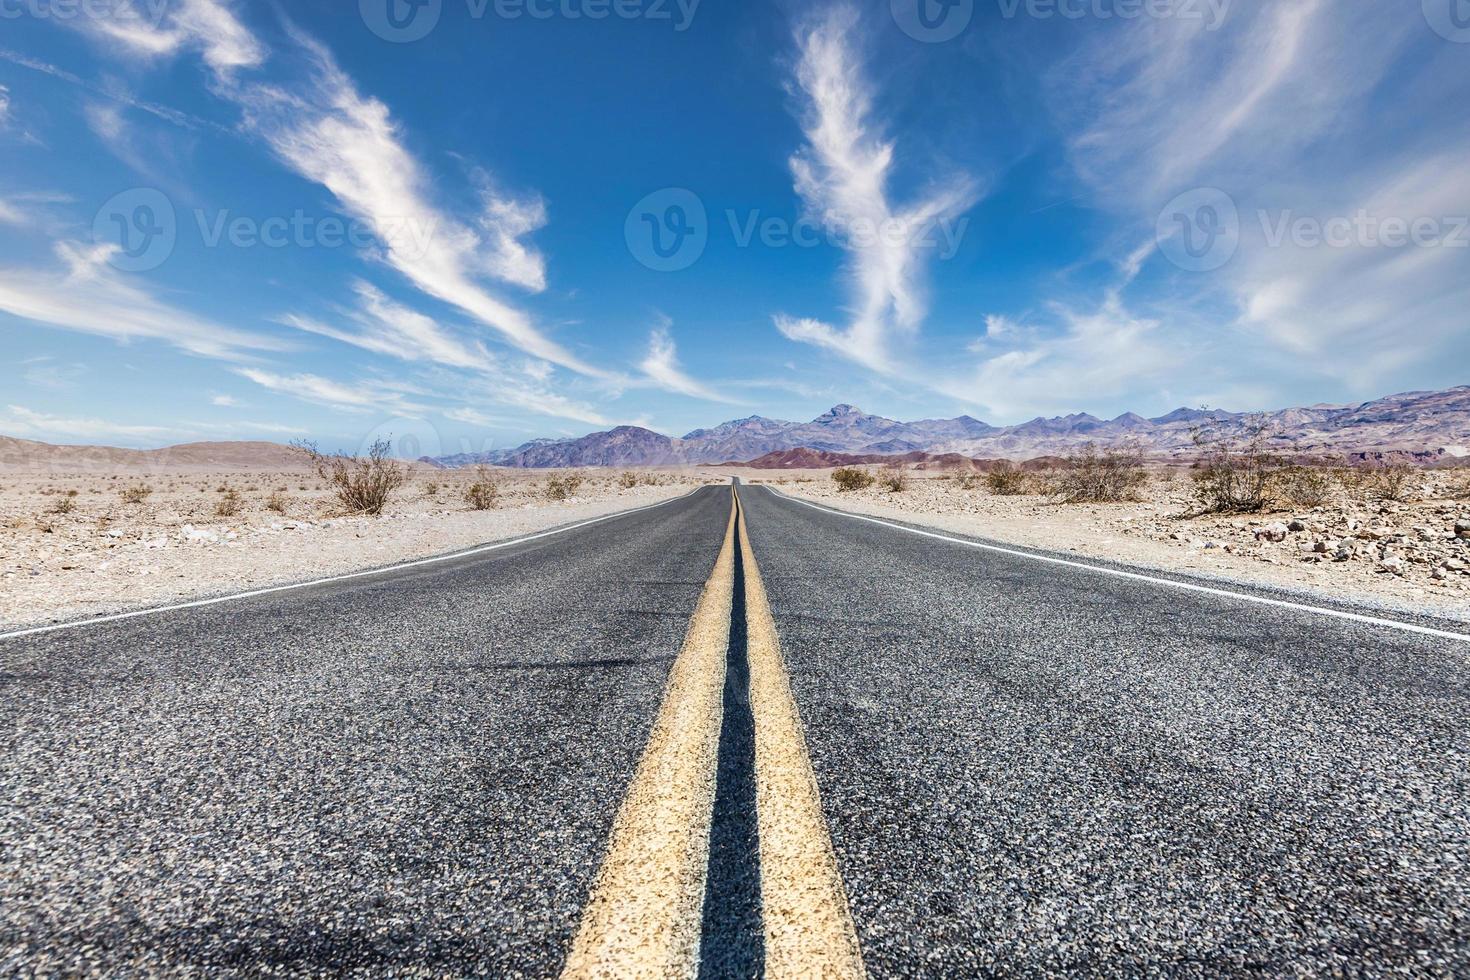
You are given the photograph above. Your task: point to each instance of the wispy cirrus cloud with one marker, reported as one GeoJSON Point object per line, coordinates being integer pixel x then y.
{"type": "Point", "coordinates": [85, 294]}
{"type": "Point", "coordinates": [365, 396]}
{"type": "Point", "coordinates": [842, 175]}
{"type": "Point", "coordinates": [661, 366]}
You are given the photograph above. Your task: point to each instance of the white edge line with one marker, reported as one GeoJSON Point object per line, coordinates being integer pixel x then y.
{"type": "Point", "coordinates": [232, 597]}
{"type": "Point", "coordinates": [1139, 577]}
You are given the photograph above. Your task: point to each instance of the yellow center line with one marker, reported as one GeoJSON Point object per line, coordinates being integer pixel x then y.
{"type": "Point", "coordinates": [643, 917]}
{"type": "Point", "coordinates": [808, 924]}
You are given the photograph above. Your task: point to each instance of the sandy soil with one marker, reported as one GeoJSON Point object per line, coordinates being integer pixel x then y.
{"type": "Point", "coordinates": [106, 554]}
{"type": "Point", "coordinates": [1400, 556]}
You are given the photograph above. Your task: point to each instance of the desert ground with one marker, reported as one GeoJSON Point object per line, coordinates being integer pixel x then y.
{"type": "Point", "coordinates": [1411, 556]}
{"type": "Point", "coordinates": [79, 544]}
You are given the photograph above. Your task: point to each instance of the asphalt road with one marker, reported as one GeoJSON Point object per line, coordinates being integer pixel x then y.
{"type": "Point", "coordinates": [1025, 769]}
{"type": "Point", "coordinates": [417, 771]}
{"type": "Point", "coordinates": [1029, 769]}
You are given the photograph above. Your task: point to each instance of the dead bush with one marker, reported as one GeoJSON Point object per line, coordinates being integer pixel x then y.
{"type": "Point", "coordinates": [564, 487]}
{"type": "Point", "coordinates": [1235, 474]}
{"type": "Point", "coordinates": [362, 484]}
{"type": "Point", "coordinates": [1108, 476]}
{"type": "Point", "coordinates": [1389, 481]}
{"type": "Point", "coordinates": [850, 478]}
{"type": "Point", "coordinates": [1305, 486]}
{"type": "Point", "coordinates": [894, 479]}
{"type": "Point", "coordinates": [66, 504]}
{"type": "Point", "coordinates": [1006, 479]}
{"type": "Point", "coordinates": [229, 505]}
{"type": "Point", "coordinates": [628, 480]}
{"type": "Point", "coordinates": [277, 503]}
{"type": "Point", "coordinates": [431, 489]}
{"type": "Point", "coordinates": [482, 493]}
{"type": "Point", "coordinates": [136, 494]}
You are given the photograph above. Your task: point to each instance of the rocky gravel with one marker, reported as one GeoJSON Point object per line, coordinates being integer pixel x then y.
{"type": "Point", "coordinates": [100, 553]}
{"type": "Point", "coordinates": [1405, 555]}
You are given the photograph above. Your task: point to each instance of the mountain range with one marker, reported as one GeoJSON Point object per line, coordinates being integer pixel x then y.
{"type": "Point", "coordinates": [1429, 424]}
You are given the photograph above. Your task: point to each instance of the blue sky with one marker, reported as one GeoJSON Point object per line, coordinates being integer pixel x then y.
{"type": "Point", "coordinates": [468, 223]}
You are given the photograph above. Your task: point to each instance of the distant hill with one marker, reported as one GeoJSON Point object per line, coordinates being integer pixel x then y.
{"type": "Point", "coordinates": [23, 454]}
{"type": "Point", "coordinates": [1425, 425]}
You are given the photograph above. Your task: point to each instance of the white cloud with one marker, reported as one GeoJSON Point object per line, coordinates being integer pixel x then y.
{"type": "Point", "coordinates": [88, 296]}
{"type": "Point", "coordinates": [386, 327]}
{"type": "Point", "coordinates": [27, 424]}
{"type": "Point", "coordinates": [152, 31]}
{"type": "Point", "coordinates": [842, 175]}
{"type": "Point", "coordinates": [363, 397]}
{"type": "Point", "coordinates": [4, 106]}
{"type": "Point", "coordinates": [661, 366]}
{"type": "Point", "coordinates": [226, 401]}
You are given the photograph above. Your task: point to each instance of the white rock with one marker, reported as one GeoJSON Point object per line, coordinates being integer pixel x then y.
{"type": "Point", "coordinates": [1272, 532]}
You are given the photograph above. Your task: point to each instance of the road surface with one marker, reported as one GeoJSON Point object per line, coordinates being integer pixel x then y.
{"type": "Point", "coordinates": [683, 742]}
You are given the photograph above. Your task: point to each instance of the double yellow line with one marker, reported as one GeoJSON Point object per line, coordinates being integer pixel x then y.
{"type": "Point", "coordinates": [644, 916]}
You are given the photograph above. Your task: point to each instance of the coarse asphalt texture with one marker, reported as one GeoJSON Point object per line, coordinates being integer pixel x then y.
{"type": "Point", "coordinates": [1026, 769]}
{"type": "Point", "coordinates": [415, 772]}
{"type": "Point", "coordinates": [1030, 769]}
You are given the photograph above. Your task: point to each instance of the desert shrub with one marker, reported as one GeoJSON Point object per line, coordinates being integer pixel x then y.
{"type": "Point", "coordinates": [1106, 476]}
{"type": "Point", "coordinates": [894, 479]}
{"type": "Point", "coordinates": [66, 504]}
{"type": "Point", "coordinates": [1389, 481]}
{"type": "Point", "coordinates": [628, 480]}
{"type": "Point", "coordinates": [564, 487]}
{"type": "Point", "coordinates": [850, 478]}
{"type": "Point", "coordinates": [431, 489]}
{"type": "Point", "coordinates": [362, 484]}
{"type": "Point", "coordinates": [1006, 480]}
{"type": "Point", "coordinates": [1460, 485]}
{"type": "Point", "coordinates": [1236, 473]}
{"type": "Point", "coordinates": [1305, 486]}
{"type": "Point", "coordinates": [229, 505]}
{"type": "Point", "coordinates": [136, 494]}
{"type": "Point", "coordinates": [277, 503]}
{"type": "Point", "coordinates": [482, 493]}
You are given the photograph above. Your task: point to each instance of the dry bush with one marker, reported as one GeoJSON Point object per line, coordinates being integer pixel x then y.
{"type": "Point", "coordinates": [362, 484]}
{"type": "Point", "coordinates": [431, 489]}
{"type": "Point", "coordinates": [1459, 488]}
{"type": "Point", "coordinates": [1007, 480]}
{"type": "Point", "coordinates": [66, 504]}
{"type": "Point", "coordinates": [1305, 486]}
{"type": "Point", "coordinates": [277, 503]}
{"type": "Point", "coordinates": [482, 493]}
{"type": "Point", "coordinates": [967, 481]}
{"type": "Point", "coordinates": [1109, 476]}
{"type": "Point", "coordinates": [628, 480]}
{"type": "Point", "coordinates": [850, 478]}
{"type": "Point", "coordinates": [1235, 474]}
{"type": "Point", "coordinates": [1389, 481]}
{"type": "Point", "coordinates": [564, 487]}
{"type": "Point", "coordinates": [229, 505]}
{"type": "Point", "coordinates": [136, 494]}
{"type": "Point", "coordinates": [894, 479]}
